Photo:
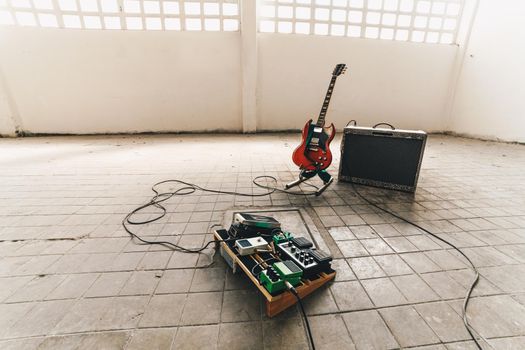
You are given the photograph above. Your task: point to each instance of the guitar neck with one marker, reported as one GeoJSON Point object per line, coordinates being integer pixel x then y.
{"type": "Point", "coordinates": [326, 102]}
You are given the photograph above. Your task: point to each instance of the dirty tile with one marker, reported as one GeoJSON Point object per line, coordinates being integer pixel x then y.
{"type": "Point", "coordinates": [366, 268]}
{"type": "Point", "coordinates": [393, 265]}
{"type": "Point", "coordinates": [351, 249]}
{"type": "Point", "coordinates": [350, 296]}
{"type": "Point", "coordinates": [287, 333]}
{"type": "Point", "coordinates": [329, 332]}
{"type": "Point", "coordinates": [154, 339]}
{"type": "Point", "coordinates": [108, 284]}
{"type": "Point", "coordinates": [444, 321]}
{"type": "Point", "coordinates": [208, 280]}
{"type": "Point", "coordinates": [414, 288]}
{"type": "Point", "coordinates": [383, 292]}
{"type": "Point", "coordinates": [359, 325]}
{"type": "Point", "coordinates": [74, 286]}
{"type": "Point", "coordinates": [175, 281]}
{"type": "Point", "coordinates": [202, 308]}
{"type": "Point", "coordinates": [341, 233]}
{"type": "Point", "coordinates": [163, 310]}
{"type": "Point", "coordinates": [245, 335]}
{"type": "Point", "coordinates": [196, 337]}
{"type": "Point", "coordinates": [408, 327]}
{"type": "Point", "coordinates": [241, 305]}
{"type": "Point", "coordinates": [343, 270]}
{"type": "Point", "coordinates": [141, 283]}
{"type": "Point", "coordinates": [41, 318]}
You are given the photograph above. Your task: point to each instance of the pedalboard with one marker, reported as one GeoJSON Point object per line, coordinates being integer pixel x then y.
{"type": "Point", "coordinates": [248, 246]}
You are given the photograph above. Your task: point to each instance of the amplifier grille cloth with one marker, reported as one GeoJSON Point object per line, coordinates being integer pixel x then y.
{"type": "Point", "coordinates": [381, 158]}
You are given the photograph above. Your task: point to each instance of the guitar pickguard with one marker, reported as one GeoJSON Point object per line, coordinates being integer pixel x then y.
{"type": "Point", "coordinates": [317, 138]}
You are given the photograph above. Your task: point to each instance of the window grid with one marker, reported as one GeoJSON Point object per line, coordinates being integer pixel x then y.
{"type": "Point", "coordinates": [182, 15]}
{"type": "Point", "coordinates": [429, 21]}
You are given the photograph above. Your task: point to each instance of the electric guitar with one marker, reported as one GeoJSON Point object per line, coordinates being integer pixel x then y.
{"type": "Point", "coordinates": [314, 151]}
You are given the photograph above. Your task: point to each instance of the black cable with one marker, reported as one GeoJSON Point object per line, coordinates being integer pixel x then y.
{"type": "Point", "coordinates": [259, 264]}
{"type": "Point", "coordinates": [353, 120]}
{"type": "Point", "coordinates": [305, 318]}
{"type": "Point", "coordinates": [187, 189]}
{"type": "Point", "coordinates": [469, 328]}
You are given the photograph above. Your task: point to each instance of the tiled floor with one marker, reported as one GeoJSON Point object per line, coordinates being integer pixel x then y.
{"type": "Point", "coordinates": [72, 279]}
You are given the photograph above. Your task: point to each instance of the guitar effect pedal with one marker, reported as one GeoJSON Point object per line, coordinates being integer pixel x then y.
{"type": "Point", "coordinates": [248, 246]}
{"type": "Point", "coordinates": [274, 277]}
{"type": "Point", "coordinates": [300, 250]}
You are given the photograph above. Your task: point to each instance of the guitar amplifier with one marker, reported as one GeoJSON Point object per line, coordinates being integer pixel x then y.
{"type": "Point", "coordinates": [388, 158]}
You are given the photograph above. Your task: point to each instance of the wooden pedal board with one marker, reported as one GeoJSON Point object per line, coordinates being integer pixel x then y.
{"type": "Point", "coordinates": [275, 304]}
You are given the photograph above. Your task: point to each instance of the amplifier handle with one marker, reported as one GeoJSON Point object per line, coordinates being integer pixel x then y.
{"type": "Point", "coordinates": [390, 125]}
{"type": "Point", "coordinates": [351, 121]}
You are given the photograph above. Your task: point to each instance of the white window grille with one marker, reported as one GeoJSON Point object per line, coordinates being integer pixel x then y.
{"type": "Point", "coordinates": [429, 21]}
{"type": "Point", "coordinates": [189, 15]}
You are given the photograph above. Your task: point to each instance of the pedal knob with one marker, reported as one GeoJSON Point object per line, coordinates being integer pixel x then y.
{"type": "Point", "coordinates": [324, 158]}
{"type": "Point", "coordinates": [321, 158]}
{"type": "Point", "coordinates": [322, 164]}
{"type": "Point", "coordinates": [292, 249]}
{"type": "Point", "coordinates": [297, 254]}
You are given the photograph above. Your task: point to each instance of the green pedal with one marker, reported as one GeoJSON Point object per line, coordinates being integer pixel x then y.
{"type": "Point", "coordinates": [273, 277]}
{"type": "Point", "coordinates": [288, 270]}
{"type": "Point", "coordinates": [282, 237]}
{"type": "Point", "coordinates": [271, 281]}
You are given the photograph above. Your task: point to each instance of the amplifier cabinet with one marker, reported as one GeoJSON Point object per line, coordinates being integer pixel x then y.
{"type": "Point", "coordinates": [388, 158]}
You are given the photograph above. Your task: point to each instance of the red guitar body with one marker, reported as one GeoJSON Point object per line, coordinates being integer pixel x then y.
{"type": "Point", "coordinates": [314, 151]}
{"type": "Point", "coordinates": [313, 154]}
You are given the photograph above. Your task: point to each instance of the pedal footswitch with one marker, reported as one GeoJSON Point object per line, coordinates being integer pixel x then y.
{"type": "Point", "coordinates": [301, 242]}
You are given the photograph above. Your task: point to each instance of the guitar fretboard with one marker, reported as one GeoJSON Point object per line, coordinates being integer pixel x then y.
{"type": "Point", "coordinates": [326, 102]}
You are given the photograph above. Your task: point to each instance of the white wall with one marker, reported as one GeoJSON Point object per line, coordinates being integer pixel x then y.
{"type": "Point", "coordinates": [81, 81]}
{"type": "Point", "coordinates": [7, 123]}
{"type": "Point", "coordinates": [74, 81]}
{"type": "Point", "coordinates": [405, 84]}
{"type": "Point", "coordinates": [490, 94]}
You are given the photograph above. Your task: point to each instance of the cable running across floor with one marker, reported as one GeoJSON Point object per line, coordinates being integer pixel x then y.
{"type": "Point", "coordinates": [189, 188]}
{"type": "Point", "coordinates": [473, 333]}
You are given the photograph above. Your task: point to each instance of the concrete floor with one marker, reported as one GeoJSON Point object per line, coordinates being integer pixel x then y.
{"type": "Point", "coordinates": [72, 279]}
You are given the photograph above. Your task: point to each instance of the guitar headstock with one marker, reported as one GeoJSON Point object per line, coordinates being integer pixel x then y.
{"type": "Point", "coordinates": [339, 69]}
